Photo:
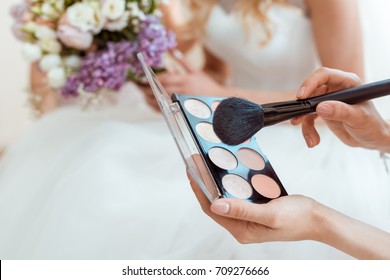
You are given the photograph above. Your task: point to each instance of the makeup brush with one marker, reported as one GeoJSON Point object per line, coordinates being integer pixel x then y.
{"type": "Point", "coordinates": [237, 119]}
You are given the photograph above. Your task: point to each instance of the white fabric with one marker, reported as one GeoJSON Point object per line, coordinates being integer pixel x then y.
{"type": "Point", "coordinates": [279, 65]}
{"type": "Point", "coordinates": [102, 184]}
{"type": "Point", "coordinates": [110, 184]}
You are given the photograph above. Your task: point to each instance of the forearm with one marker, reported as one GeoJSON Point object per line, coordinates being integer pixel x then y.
{"type": "Point", "coordinates": [353, 237]}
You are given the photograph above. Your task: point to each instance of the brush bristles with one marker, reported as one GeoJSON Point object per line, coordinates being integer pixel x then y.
{"type": "Point", "coordinates": [236, 120]}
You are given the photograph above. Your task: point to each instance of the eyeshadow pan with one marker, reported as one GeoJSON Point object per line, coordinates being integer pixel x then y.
{"type": "Point", "coordinates": [266, 186]}
{"type": "Point", "coordinates": [206, 131]}
{"type": "Point", "coordinates": [223, 158]}
{"type": "Point", "coordinates": [215, 105]}
{"type": "Point", "coordinates": [237, 186]}
{"type": "Point", "coordinates": [251, 159]}
{"type": "Point", "coordinates": [197, 108]}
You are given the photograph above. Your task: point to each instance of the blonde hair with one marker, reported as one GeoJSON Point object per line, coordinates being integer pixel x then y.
{"type": "Point", "coordinates": [248, 9]}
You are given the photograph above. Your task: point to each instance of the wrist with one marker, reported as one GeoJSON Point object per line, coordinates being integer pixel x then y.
{"type": "Point", "coordinates": [321, 222]}
{"type": "Point", "coordinates": [385, 146]}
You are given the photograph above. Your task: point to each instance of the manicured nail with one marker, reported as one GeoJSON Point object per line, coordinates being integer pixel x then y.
{"type": "Point", "coordinates": [294, 121]}
{"type": "Point", "coordinates": [325, 110]}
{"type": "Point", "coordinates": [308, 140]}
{"type": "Point", "coordinates": [220, 207]}
{"type": "Point", "coordinates": [301, 92]}
{"type": "Point", "coordinates": [178, 54]}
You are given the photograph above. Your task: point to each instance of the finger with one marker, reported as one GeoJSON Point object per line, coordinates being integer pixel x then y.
{"type": "Point", "coordinates": [203, 200]}
{"type": "Point", "coordinates": [230, 224]}
{"type": "Point", "coordinates": [309, 131]}
{"type": "Point", "coordinates": [333, 78]}
{"type": "Point", "coordinates": [179, 89]}
{"type": "Point", "coordinates": [155, 108]}
{"type": "Point", "coordinates": [149, 96]}
{"type": "Point", "coordinates": [148, 93]}
{"type": "Point", "coordinates": [180, 58]}
{"type": "Point", "coordinates": [170, 79]}
{"type": "Point", "coordinates": [339, 129]}
{"type": "Point", "coordinates": [321, 90]}
{"type": "Point", "coordinates": [242, 210]}
{"type": "Point", "coordinates": [297, 121]}
{"type": "Point", "coordinates": [153, 104]}
{"type": "Point", "coordinates": [353, 116]}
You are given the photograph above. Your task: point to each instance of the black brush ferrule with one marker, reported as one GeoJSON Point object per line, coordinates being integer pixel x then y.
{"type": "Point", "coordinates": [282, 111]}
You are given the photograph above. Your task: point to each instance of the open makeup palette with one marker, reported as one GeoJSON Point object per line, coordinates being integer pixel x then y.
{"type": "Point", "coordinates": [241, 171]}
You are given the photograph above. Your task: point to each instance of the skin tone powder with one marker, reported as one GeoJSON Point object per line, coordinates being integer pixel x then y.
{"type": "Point", "coordinates": [206, 131]}
{"type": "Point", "coordinates": [237, 186]}
{"type": "Point", "coordinates": [265, 186]}
{"type": "Point", "coordinates": [197, 108]}
{"type": "Point", "coordinates": [215, 105]}
{"type": "Point", "coordinates": [251, 159]}
{"type": "Point", "coordinates": [223, 158]}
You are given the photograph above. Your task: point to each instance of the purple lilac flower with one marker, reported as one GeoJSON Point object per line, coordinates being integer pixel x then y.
{"type": "Point", "coordinates": [18, 12]}
{"type": "Point", "coordinates": [154, 40]}
{"type": "Point", "coordinates": [109, 68]}
{"type": "Point", "coordinates": [102, 69]}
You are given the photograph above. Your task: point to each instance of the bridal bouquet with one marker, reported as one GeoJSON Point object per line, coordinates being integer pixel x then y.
{"type": "Point", "coordinates": [85, 46]}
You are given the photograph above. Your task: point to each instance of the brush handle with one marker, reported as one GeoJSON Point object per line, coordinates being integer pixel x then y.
{"type": "Point", "coordinates": [354, 95]}
{"type": "Point", "coordinates": [281, 111]}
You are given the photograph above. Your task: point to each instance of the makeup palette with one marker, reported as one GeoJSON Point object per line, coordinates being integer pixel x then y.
{"type": "Point", "coordinates": [242, 171]}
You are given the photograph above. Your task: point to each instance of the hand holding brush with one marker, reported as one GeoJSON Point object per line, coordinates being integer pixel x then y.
{"type": "Point", "coordinates": [356, 125]}
{"type": "Point", "coordinates": [236, 119]}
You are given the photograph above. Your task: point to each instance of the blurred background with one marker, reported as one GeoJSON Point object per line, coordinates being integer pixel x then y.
{"type": "Point", "coordinates": [16, 117]}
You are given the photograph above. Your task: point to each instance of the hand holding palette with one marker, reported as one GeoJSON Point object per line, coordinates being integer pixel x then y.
{"type": "Point", "coordinates": [240, 171]}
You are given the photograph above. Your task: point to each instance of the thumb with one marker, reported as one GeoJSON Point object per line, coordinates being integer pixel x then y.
{"type": "Point", "coordinates": [352, 115]}
{"type": "Point", "coordinates": [179, 57]}
{"type": "Point", "coordinates": [242, 210]}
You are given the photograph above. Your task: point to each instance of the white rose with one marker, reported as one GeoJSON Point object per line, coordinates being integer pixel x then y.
{"type": "Point", "coordinates": [49, 62]}
{"type": "Point", "coordinates": [119, 24]}
{"type": "Point", "coordinates": [50, 46]}
{"type": "Point", "coordinates": [59, 5]}
{"type": "Point", "coordinates": [135, 10]}
{"type": "Point", "coordinates": [113, 9]}
{"type": "Point", "coordinates": [85, 16]}
{"type": "Point", "coordinates": [30, 27]}
{"type": "Point", "coordinates": [52, 9]}
{"type": "Point", "coordinates": [45, 33]}
{"type": "Point", "coordinates": [73, 61]}
{"type": "Point", "coordinates": [56, 77]}
{"type": "Point", "coordinates": [31, 52]}
{"type": "Point", "coordinates": [49, 12]}
{"type": "Point", "coordinates": [164, 2]}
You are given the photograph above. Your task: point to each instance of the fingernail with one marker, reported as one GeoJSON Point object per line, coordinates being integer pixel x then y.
{"type": "Point", "coordinates": [308, 140]}
{"type": "Point", "coordinates": [294, 121]}
{"type": "Point", "coordinates": [178, 54]}
{"type": "Point", "coordinates": [301, 92]}
{"type": "Point", "coordinates": [220, 207]}
{"type": "Point", "coordinates": [325, 110]}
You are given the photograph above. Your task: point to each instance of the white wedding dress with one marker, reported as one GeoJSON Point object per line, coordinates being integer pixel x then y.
{"type": "Point", "coordinates": [109, 183]}
{"type": "Point", "coordinates": [104, 183]}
